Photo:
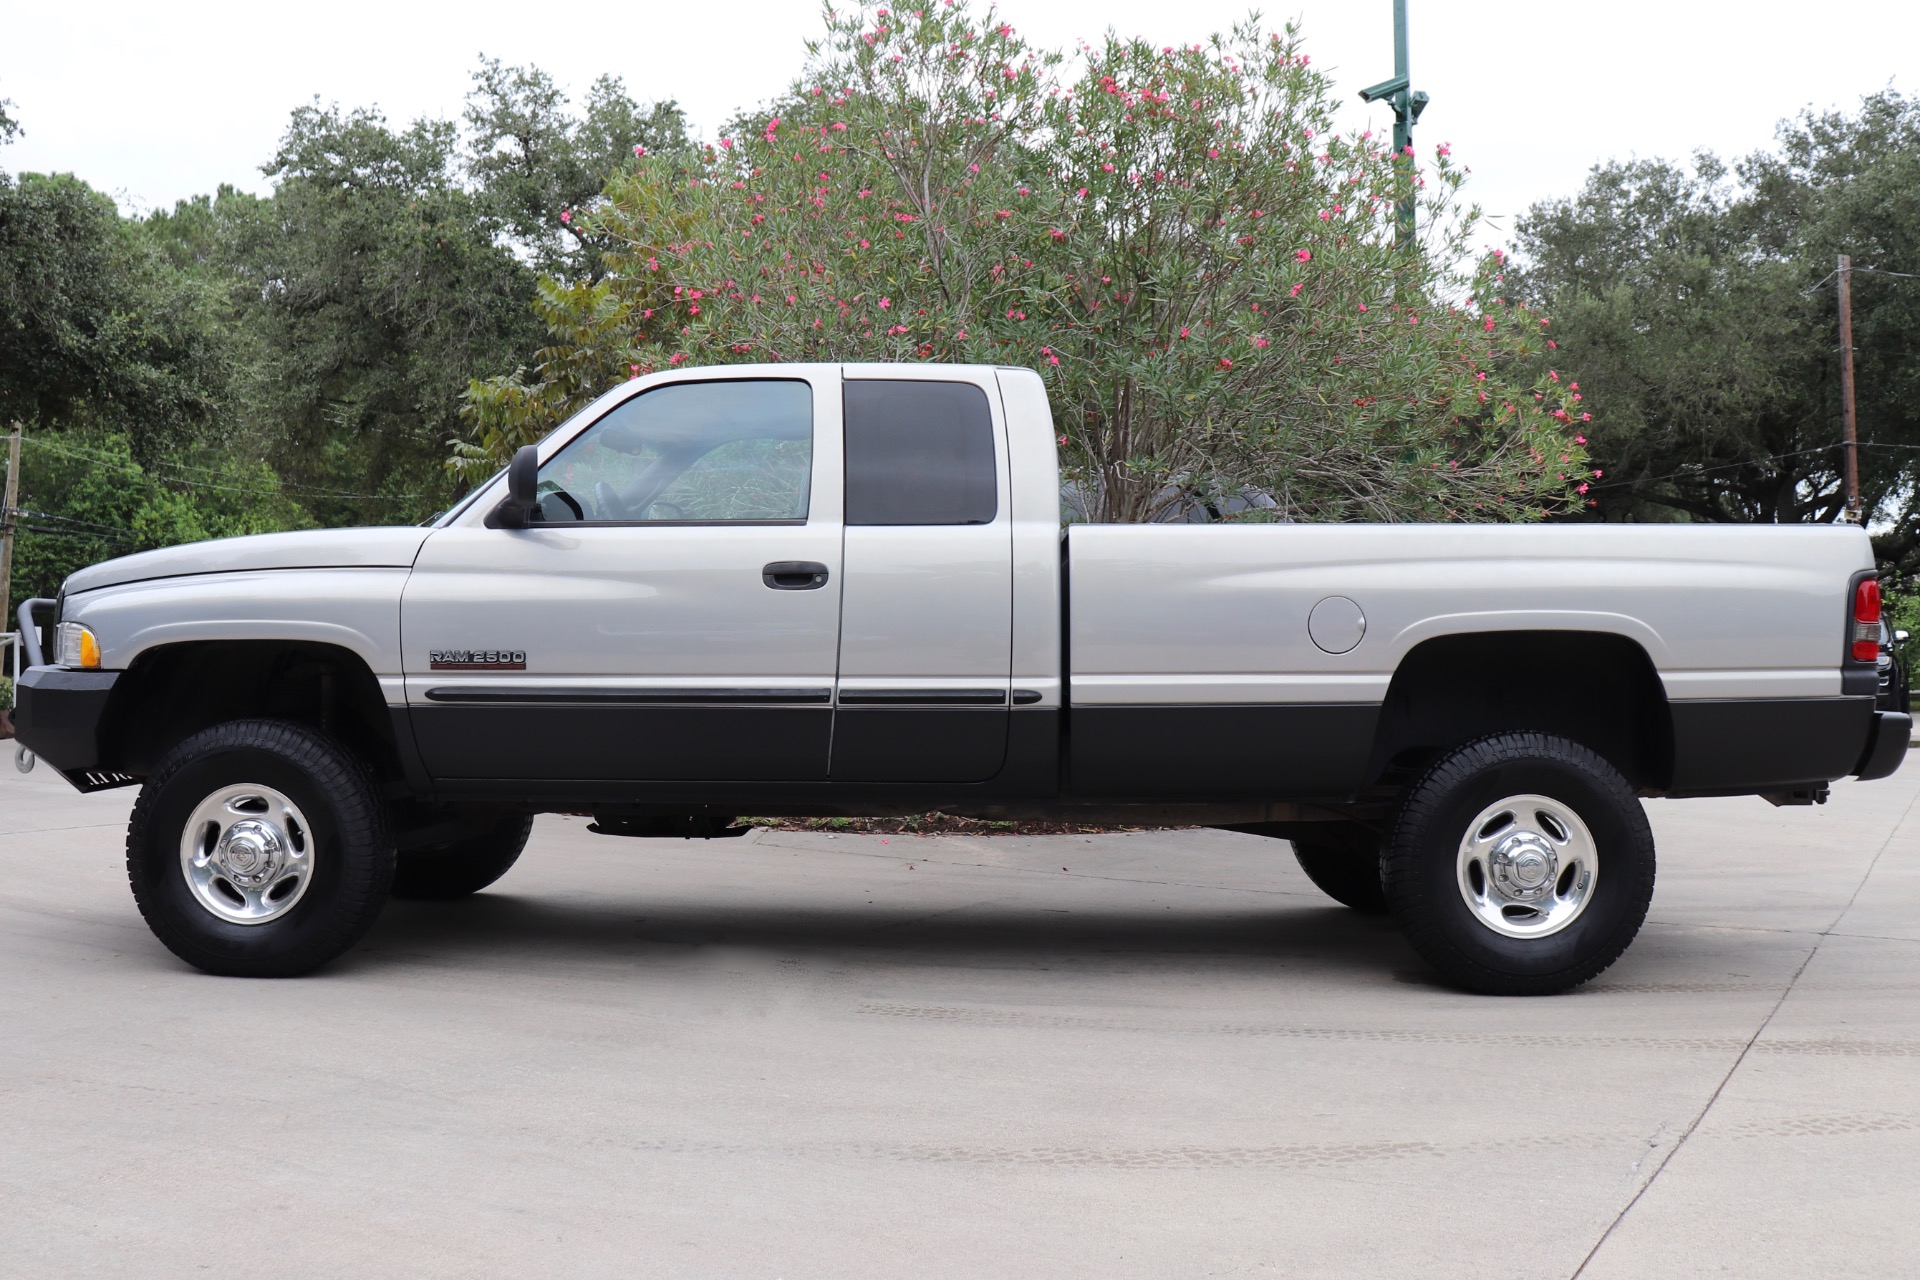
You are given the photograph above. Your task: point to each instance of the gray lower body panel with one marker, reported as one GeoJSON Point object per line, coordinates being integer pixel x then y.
{"type": "Point", "coordinates": [1201, 752]}
{"type": "Point", "coordinates": [1737, 746]}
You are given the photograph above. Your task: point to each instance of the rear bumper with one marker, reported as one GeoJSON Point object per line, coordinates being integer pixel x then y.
{"type": "Point", "coordinates": [1886, 745]}
{"type": "Point", "coordinates": [57, 715]}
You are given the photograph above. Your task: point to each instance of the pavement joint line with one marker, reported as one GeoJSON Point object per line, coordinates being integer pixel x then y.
{"type": "Point", "coordinates": [1748, 1048]}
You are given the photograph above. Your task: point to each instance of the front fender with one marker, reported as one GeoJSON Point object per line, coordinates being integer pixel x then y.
{"type": "Point", "coordinates": [356, 609]}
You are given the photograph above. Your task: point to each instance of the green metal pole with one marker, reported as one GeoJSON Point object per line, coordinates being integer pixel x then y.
{"type": "Point", "coordinates": [1407, 106]}
{"type": "Point", "coordinates": [1402, 129]}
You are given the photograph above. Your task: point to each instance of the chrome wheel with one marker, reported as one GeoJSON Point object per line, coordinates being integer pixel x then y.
{"type": "Point", "coordinates": [1527, 867]}
{"type": "Point", "coordinates": [247, 854]}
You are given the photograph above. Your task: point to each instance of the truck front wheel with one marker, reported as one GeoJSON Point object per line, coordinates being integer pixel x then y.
{"type": "Point", "coordinates": [1521, 864]}
{"type": "Point", "coordinates": [259, 848]}
{"type": "Point", "coordinates": [464, 866]}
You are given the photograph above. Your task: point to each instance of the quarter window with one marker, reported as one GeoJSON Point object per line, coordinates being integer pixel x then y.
{"type": "Point", "coordinates": [707, 452]}
{"type": "Point", "coordinates": [919, 453]}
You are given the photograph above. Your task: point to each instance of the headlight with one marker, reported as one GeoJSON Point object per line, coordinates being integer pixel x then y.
{"type": "Point", "coordinates": [75, 646]}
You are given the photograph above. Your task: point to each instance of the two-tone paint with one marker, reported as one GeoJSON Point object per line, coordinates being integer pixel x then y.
{"type": "Point", "coordinates": [1007, 661]}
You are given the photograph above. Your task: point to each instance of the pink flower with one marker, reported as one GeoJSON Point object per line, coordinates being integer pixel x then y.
{"type": "Point", "coordinates": [1443, 150]}
{"type": "Point", "coordinates": [1213, 153]}
{"type": "Point", "coordinates": [885, 303]}
{"type": "Point", "coordinates": [638, 150]}
{"type": "Point", "coordinates": [1184, 331]}
{"type": "Point", "coordinates": [1225, 363]}
{"type": "Point", "coordinates": [1057, 234]}
{"type": "Point", "coordinates": [1598, 474]}
{"type": "Point", "coordinates": [1295, 291]}
{"type": "Point", "coordinates": [1305, 255]}
{"type": "Point", "coordinates": [1083, 193]}
{"type": "Point", "coordinates": [726, 144]}
{"type": "Point", "coordinates": [1261, 342]}
{"type": "Point", "coordinates": [676, 357]}
{"type": "Point", "coordinates": [566, 215]}
{"type": "Point", "coordinates": [1582, 489]}
{"type": "Point", "coordinates": [1363, 306]}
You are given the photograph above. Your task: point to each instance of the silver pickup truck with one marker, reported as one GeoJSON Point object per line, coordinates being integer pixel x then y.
{"type": "Point", "coordinates": [846, 590]}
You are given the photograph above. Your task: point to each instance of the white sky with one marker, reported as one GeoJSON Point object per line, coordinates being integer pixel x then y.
{"type": "Point", "coordinates": [154, 102]}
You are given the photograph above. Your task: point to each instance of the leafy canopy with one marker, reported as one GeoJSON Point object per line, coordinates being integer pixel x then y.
{"type": "Point", "coordinates": [1200, 267]}
{"type": "Point", "coordinates": [1699, 303]}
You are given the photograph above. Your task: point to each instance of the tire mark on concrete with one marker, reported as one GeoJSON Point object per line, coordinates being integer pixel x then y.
{"type": "Point", "coordinates": [1820, 1126]}
{"type": "Point", "coordinates": [1491, 1039]}
{"type": "Point", "coordinates": [1842, 1048]}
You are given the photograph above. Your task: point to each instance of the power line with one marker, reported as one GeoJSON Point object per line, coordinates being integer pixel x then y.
{"type": "Point", "coordinates": [90, 524]}
{"type": "Point", "coordinates": [129, 467]}
{"type": "Point", "coordinates": [1860, 271]}
{"type": "Point", "coordinates": [1701, 471]}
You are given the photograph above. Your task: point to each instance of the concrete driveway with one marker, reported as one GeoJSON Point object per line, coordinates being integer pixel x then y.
{"type": "Point", "coordinates": [809, 1056]}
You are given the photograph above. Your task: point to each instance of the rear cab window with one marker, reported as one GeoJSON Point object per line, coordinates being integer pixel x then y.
{"type": "Point", "coordinates": [919, 453]}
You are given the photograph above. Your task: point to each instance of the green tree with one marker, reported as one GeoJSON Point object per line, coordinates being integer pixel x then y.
{"type": "Point", "coordinates": [1201, 268]}
{"type": "Point", "coordinates": [95, 324]}
{"type": "Point", "coordinates": [537, 166]}
{"type": "Point", "coordinates": [378, 285]}
{"type": "Point", "coordinates": [1698, 303]}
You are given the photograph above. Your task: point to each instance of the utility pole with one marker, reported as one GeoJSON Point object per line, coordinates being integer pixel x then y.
{"type": "Point", "coordinates": [8, 519]}
{"type": "Point", "coordinates": [1849, 426]}
{"type": "Point", "coordinates": [1407, 107]}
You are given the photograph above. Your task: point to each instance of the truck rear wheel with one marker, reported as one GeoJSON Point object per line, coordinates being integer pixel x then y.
{"type": "Point", "coordinates": [464, 866]}
{"type": "Point", "coordinates": [1344, 864]}
{"type": "Point", "coordinates": [1521, 864]}
{"type": "Point", "coordinates": [259, 848]}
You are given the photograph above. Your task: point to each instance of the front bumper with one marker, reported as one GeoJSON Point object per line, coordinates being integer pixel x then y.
{"type": "Point", "coordinates": [57, 715]}
{"type": "Point", "coordinates": [1886, 745]}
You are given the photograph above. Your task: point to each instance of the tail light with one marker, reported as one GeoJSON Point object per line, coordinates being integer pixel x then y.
{"type": "Point", "coordinates": [1866, 621]}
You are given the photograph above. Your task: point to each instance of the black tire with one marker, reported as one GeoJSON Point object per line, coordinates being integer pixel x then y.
{"type": "Point", "coordinates": [352, 850]}
{"type": "Point", "coordinates": [1423, 875]}
{"type": "Point", "coordinates": [465, 866]}
{"type": "Point", "coordinates": [1344, 863]}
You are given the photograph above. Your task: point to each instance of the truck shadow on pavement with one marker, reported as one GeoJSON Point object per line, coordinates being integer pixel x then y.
{"type": "Point", "coordinates": [499, 928]}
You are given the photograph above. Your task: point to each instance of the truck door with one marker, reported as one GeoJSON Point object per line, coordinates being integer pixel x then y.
{"type": "Point", "coordinates": [674, 615]}
{"type": "Point", "coordinates": [926, 627]}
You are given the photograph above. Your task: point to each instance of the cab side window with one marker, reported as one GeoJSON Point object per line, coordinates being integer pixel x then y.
{"type": "Point", "coordinates": [919, 453]}
{"type": "Point", "coordinates": [700, 452]}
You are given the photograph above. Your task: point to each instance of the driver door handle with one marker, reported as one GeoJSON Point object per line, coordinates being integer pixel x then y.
{"type": "Point", "coordinates": [794, 575]}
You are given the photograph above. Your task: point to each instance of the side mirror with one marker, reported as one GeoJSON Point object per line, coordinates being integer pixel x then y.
{"type": "Point", "coordinates": [1901, 637]}
{"type": "Point", "coordinates": [521, 507]}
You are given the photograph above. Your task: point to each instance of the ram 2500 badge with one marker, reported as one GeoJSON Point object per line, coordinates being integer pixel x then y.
{"type": "Point", "coordinates": [846, 590]}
